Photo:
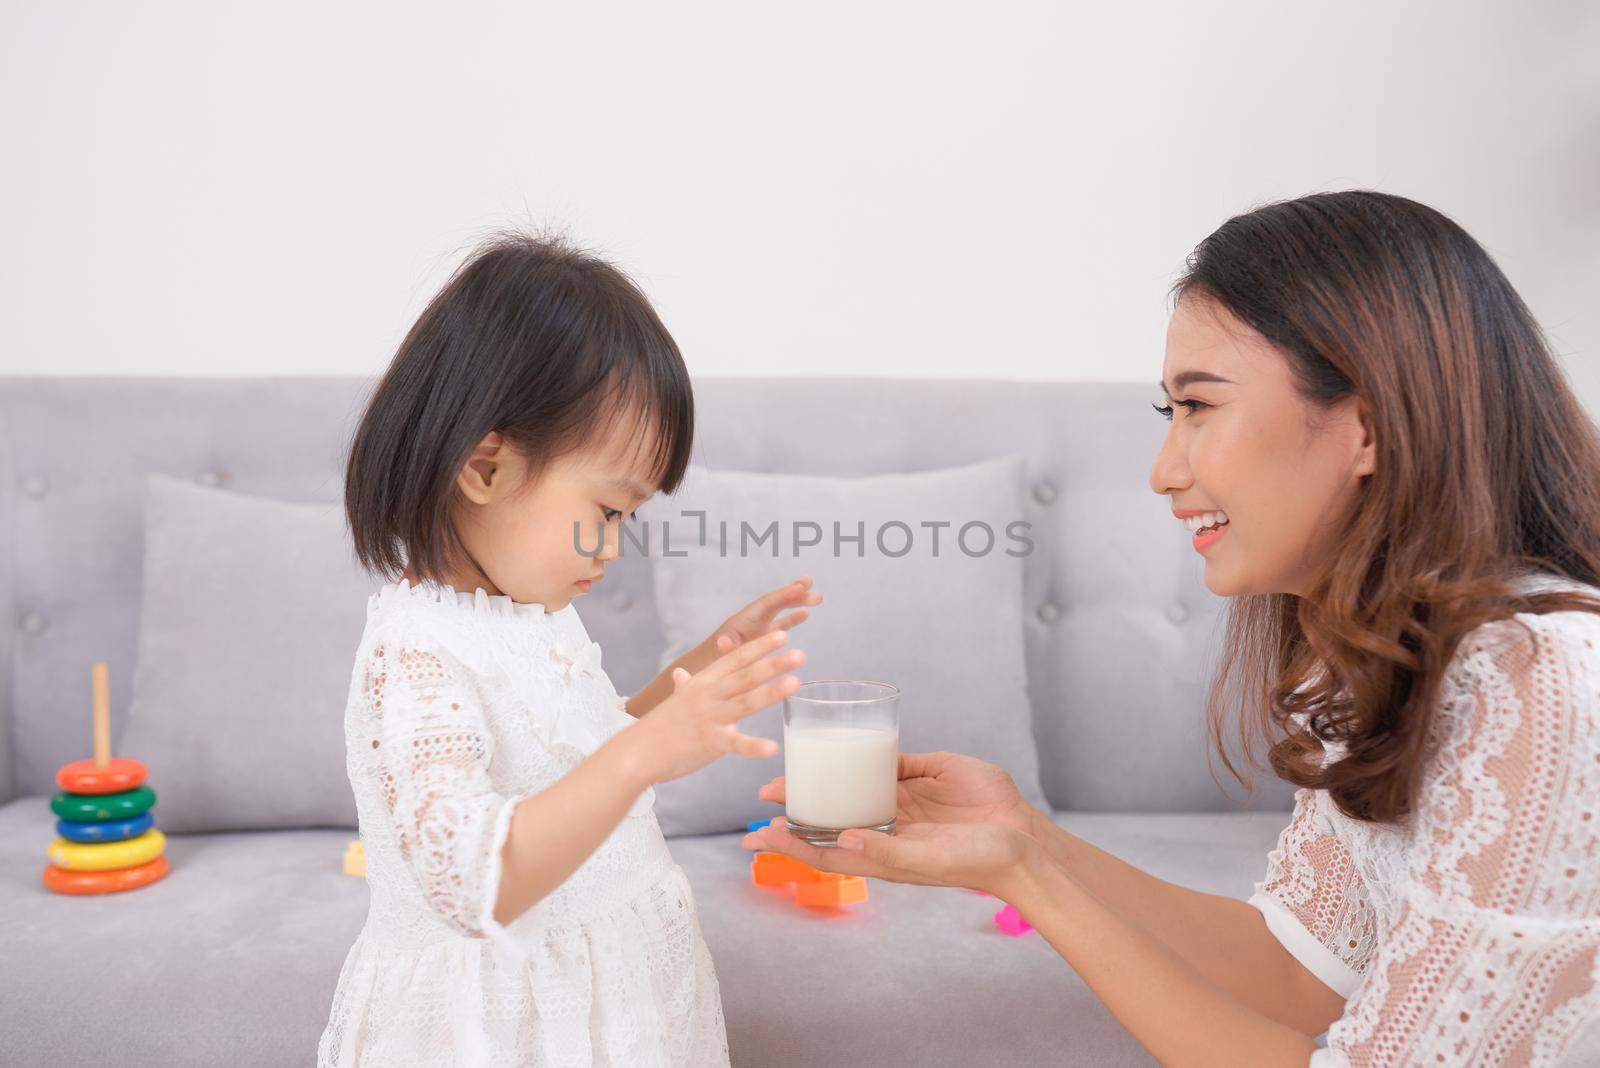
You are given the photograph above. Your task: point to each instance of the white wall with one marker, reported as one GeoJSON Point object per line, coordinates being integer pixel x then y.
{"type": "Point", "coordinates": [860, 188]}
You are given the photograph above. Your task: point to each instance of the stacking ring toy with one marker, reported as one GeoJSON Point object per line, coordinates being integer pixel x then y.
{"type": "Point", "coordinates": [135, 802]}
{"type": "Point", "coordinates": [106, 839]}
{"type": "Point", "coordinates": [88, 777]}
{"type": "Point", "coordinates": [108, 831]}
{"type": "Point", "coordinates": [107, 856]}
{"type": "Point", "coordinates": [63, 881]}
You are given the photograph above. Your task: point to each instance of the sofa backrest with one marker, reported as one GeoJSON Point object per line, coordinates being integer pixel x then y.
{"type": "Point", "coordinates": [1120, 630]}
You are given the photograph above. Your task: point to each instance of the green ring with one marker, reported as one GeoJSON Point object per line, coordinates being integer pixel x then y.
{"type": "Point", "coordinates": [83, 808]}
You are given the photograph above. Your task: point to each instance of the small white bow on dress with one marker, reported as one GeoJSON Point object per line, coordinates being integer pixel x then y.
{"type": "Point", "coordinates": [578, 659]}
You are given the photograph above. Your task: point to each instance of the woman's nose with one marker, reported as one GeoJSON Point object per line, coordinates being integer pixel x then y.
{"type": "Point", "coordinates": [1170, 473]}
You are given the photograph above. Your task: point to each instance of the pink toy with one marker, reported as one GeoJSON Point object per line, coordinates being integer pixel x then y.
{"type": "Point", "coordinates": [1011, 922]}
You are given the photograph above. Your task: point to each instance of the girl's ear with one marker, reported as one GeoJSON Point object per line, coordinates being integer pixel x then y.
{"type": "Point", "coordinates": [478, 478]}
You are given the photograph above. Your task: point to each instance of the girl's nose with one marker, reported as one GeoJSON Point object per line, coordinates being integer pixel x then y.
{"type": "Point", "coordinates": [610, 548]}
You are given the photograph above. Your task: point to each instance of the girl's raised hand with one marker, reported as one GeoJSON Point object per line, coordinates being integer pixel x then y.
{"type": "Point", "coordinates": [697, 723]}
{"type": "Point", "coordinates": [765, 614]}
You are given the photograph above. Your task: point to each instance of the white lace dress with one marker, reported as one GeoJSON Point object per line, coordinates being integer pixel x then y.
{"type": "Point", "coordinates": [1468, 933]}
{"type": "Point", "coordinates": [461, 705]}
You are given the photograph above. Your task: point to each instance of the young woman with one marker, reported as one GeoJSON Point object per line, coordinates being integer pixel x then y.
{"type": "Point", "coordinates": [1386, 472]}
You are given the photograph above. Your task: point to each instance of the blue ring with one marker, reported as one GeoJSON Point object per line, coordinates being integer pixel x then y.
{"type": "Point", "coordinates": [105, 830]}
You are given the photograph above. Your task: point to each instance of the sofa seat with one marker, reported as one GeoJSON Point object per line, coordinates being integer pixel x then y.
{"type": "Point", "coordinates": [234, 956]}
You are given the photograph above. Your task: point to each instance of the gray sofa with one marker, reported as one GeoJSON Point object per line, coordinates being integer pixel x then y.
{"type": "Point", "coordinates": [233, 958]}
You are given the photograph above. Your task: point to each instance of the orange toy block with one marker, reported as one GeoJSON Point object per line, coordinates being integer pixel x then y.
{"type": "Point", "coordinates": [776, 869]}
{"type": "Point", "coordinates": [832, 891]}
{"type": "Point", "coordinates": [813, 888]}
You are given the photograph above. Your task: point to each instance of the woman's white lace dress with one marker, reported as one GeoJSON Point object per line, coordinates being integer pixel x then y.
{"type": "Point", "coordinates": [461, 705]}
{"type": "Point", "coordinates": [1468, 933]}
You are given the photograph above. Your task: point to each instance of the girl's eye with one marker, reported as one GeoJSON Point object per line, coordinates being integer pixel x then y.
{"type": "Point", "coordinates": [611, 514]}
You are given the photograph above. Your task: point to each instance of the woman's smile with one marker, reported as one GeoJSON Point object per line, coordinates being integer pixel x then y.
{"type": "Point", "coordinates": [1206, 526]}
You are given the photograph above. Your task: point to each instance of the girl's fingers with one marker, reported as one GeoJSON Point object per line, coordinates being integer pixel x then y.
{"type": "Point", "coordinates": [748, 678]}
{"type": "Point", "coordinates": [744, 655]}
{"type": "Point", "coordinates": [776, 790]}
{"type": "Point", "coordinates": [724, 644]}
{"type": "Point", "coordinates": [745, 745]}
{"type": "Point", "coordinates": [772, 602]}
{"type": "Point", "coordinates": [756, 700]}
{"type": "Point", "coordinates": [793, 619]}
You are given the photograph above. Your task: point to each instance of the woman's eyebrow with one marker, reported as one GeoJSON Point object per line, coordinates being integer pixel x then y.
{"type": "Point", "coordinates": [1190, 377]}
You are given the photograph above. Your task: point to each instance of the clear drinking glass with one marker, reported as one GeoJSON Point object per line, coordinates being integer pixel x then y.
{"type": "Point", "coordinates": [841, 758]}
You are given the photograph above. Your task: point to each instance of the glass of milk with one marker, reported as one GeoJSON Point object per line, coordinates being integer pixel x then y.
{"type": "Point", "coordinates": [841, 758]}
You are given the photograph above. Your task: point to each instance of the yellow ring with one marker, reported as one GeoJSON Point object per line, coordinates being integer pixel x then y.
{"type": "Point", "coordinates": [106, 856]}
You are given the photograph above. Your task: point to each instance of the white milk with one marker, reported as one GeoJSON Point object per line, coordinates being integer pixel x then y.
{"type": "Point", "coordinates": [838, 777]}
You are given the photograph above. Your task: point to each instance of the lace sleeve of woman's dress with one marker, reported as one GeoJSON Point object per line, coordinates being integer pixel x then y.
{"type": "Point", "coordinates": [1492, 956]}
{"type": "Point", "coordinates": [433, 746]}
{"type": "Point", "coordinates": [1314, 902]}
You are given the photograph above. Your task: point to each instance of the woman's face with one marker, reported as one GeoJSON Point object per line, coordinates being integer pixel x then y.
{"type": "Point", "coordinates": [1259, 476]}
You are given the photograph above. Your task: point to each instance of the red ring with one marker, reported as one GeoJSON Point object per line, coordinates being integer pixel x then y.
{"type": "Point", "coordinates": [87, 777]}
{"type": "Point", "coordinates": [63, 881]}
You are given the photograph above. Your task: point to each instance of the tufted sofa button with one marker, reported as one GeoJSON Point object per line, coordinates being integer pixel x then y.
{"type": "Point", "coordinates": [1177, 613]}
{"type": "Point", "coordinates": [34, 623]}
{"type": "Point", "coordinates": [1045, 492]}
{"type": "Point", "coordinates": [621, 602]}
{"type": "Point", "coordinates": [1049, 612]}
{"type": "Point", "coordinates": [36, 486]}
{"type": "Point", "coordinates": [212, 479]}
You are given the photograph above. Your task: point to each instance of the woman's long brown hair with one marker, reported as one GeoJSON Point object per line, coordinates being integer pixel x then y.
{"type": "Point", "coordinates": [1487, 468]}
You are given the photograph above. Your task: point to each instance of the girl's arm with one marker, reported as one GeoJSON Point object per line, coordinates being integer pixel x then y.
{"type": "Point", "coordinates": [1224, 941]}
{"type": "Point", "coordinates": [758, 618]}
{"type": "Point", "coordinates": [660, 688]}
{"type": "Point", "coordinates": [554, 831]}
{"type": "Point", "coordinates": [1183, 1018]}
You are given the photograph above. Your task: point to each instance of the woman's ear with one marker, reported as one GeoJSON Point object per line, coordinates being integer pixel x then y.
{"type": "Point", "coordinates": [1367, 457]}
{"type": "Point", "coordinates": [478, 478]}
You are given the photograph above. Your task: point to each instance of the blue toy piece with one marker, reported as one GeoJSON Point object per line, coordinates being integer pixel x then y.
{"type": "Point", "coordinates": [752, 828]}
{"type": "Point", "coordinates": [105, 830]}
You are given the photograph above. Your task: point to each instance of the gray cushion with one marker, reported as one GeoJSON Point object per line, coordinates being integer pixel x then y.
{"type": "Point", "coordinates": [251, 616]}
{"type": "Point", "coordinates": [941, 622]}
{"type": "Point", "coordinates": [233, 958]}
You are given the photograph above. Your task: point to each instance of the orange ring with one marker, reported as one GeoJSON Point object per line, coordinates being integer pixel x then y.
{"type": "Point", "coordinates": [63, 881]}
{"type": "Point", "coordinates": [87, 777]}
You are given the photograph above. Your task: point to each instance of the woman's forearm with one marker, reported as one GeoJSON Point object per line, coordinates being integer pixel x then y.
{"type": "Point", "coordinates": [1182, 1018]}
{"type": "Point", "coordinates": [1223, 939]}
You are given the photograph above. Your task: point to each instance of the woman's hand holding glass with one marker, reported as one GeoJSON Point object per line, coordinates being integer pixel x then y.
{"type": "Point", "coordinates": [960, 822]}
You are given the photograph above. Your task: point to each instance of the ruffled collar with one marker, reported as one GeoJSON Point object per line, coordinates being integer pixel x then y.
{"type": "Point", "coordinates": [479, 601]}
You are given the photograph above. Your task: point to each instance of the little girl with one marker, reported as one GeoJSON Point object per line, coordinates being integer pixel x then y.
{"type": "Point", "coordinates": [524, 907]}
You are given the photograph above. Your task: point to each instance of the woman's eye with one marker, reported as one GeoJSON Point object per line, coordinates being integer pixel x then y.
{"type": "Point", "coordinates": [1193, 407]}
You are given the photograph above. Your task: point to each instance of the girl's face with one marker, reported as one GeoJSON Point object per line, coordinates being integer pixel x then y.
{"type": "Point", "coordinates": [517, 525]}
{"type": "Point", "coordinates": [1259, 476]}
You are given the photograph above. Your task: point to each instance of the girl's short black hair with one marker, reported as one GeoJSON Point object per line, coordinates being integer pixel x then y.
{"type": "Point", "coordinates": [533, 338]}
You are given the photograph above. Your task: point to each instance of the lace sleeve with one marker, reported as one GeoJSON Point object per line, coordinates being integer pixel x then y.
{"type": "Point", "coordinates": [1491, 958]}
{"type": "Point", "coordinates": [432, 746]}
{"type": "Point", "coordinates": [1314, 901]}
